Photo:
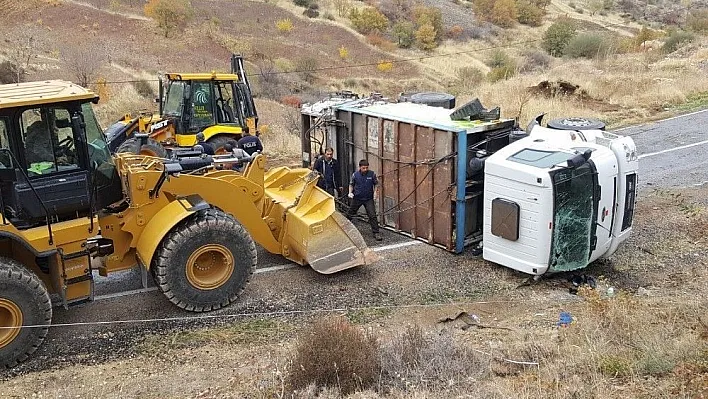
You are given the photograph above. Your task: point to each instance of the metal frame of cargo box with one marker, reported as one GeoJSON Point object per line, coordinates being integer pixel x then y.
{"type": "Point", "coordinates": [392, 145]}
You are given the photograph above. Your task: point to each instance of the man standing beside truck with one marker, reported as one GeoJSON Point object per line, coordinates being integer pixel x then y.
{"type": "Point", "coordinates": [363, 188]}
{"type": "Point", "coordinates": [328, 167]}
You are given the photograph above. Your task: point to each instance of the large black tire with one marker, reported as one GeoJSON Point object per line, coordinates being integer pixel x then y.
{"type": "Point", "coordinates": [193, 255]}
{"type": "Point", "coordinates": [151, 148]}
{"type": "Point", "coordinates": [218, 143]}
{"type": "Point", "coordinates": [21, 291]}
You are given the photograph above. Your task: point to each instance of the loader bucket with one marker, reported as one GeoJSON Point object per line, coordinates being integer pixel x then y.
{"type": "Point", "coordinates": [313, 230]}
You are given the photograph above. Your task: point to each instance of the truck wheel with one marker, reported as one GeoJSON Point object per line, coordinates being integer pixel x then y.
{"type": "Point", "coordinates": [218, 143]}
{"type": "Point", "coordinates": [151, 148]}
{"type": "Point", "coordinates": [24, 301]}
{"type": "Point", "coordinates": [205, 262]}
{"type": "Point", "coordinates": [576, 124]}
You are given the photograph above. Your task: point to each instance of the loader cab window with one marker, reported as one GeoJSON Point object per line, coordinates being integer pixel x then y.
{"type": "Point", "coordinates": [174, 100]}
{"type": "Point", "coordinates": [48, 141]}
{"type": "Point", "coordinates": [226, 111]}
{"type": "Point", "coordinates": [5, 161]}
{"type": "Point", "coordinates": [99, 153]}
{"type": "Point", "coordinates": [202, 106]}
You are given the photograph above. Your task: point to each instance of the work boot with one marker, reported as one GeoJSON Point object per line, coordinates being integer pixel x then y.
{"type": "Point", "coordinates": [378, 237]}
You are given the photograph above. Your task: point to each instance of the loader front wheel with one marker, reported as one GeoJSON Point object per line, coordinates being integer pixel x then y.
{"type": "Point", "coordinates": [151, 148]}
{"type": "Point", "coordinates": [205, 262]}
{"type": "Point", "coordinates": [24, 301]}
{"type": "Point", "coordinates": [218, 143]}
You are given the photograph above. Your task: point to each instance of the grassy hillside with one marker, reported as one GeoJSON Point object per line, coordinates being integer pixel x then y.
{"type": "Point", "coordinates": [621, 76]}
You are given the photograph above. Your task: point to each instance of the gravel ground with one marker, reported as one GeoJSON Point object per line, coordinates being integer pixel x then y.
{"type": "Point", "coordinates": [417, 274]}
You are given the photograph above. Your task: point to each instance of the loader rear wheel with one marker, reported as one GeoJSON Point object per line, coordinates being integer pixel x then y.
{"type": "Point", "coordinates": [218, 143]}
{"type": "Point", "coordinates": [205, 262]}
{"type": "Point", "coordinates": [24, 301]}
{"type": "Point", "coordinates": [151, 148]}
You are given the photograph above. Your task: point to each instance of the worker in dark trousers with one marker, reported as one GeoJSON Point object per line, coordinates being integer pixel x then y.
{"type": "Point", "coordinates": [208, 149]}
{"type": "Point", "coordinates": [363, 188]}
{"type": "Point", "coordinates": [250, 144]}
{"type": "Point", "coordinates": [328, 167]}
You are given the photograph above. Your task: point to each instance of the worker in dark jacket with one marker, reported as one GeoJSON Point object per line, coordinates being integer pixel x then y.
{"type": "Point", "coordinates": [328, 167]}
{"type": "Point", "coordinates": [250, 143]}
{"type": "Point", "coordinates": [363, 188]}
{"type": "Point", "coordinates": [208, 149]}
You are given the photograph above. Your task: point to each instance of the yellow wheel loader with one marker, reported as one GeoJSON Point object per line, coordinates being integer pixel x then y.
{"type": "Point", "coordinates": [219, 105]}
{"type": "Point", "coordinates": [65, 201]}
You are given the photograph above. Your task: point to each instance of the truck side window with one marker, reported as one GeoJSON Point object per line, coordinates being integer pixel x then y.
{"type": "Point", "coordinates": [48, 140]}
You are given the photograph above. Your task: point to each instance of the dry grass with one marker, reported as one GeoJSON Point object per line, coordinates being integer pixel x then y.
{"type": "Point", "coordinates": [282, 138]}
{"type": "Point", "coordinates": [122, 99]}
{"type": "Point", "coordinates": [335, 354]}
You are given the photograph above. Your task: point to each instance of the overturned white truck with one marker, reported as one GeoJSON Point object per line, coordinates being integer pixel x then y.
{"type": "Point", "coordinates": [543, 200]}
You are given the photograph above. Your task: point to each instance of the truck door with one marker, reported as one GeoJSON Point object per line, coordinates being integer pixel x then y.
{"type": "Point", "coordinates": [574, 215]}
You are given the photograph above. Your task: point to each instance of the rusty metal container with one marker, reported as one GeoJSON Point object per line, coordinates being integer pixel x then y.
{"type": "Point", "coordinates": [428, 189]}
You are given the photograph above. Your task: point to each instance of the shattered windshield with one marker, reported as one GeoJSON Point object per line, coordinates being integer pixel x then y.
{"type": "Point", "coordinates": [573, 192]}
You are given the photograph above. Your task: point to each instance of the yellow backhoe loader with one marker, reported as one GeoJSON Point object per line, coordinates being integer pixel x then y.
{"type": "Point", "coordinates": [219, 105]}
{"type": "Point", "coordinates": [65, 201]}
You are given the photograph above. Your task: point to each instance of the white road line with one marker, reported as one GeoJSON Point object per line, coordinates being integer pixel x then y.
{"type": "Point", "coordinates": [395, 246]}
{"type": "Point", "coordinates": [662, 120]}
{"type": "Point", "coordinates": [276, 268]}
{"type": "Point", "coordinates": [124, 293]}
{"type": "Point", "coordinates": [257, 271]}
{"type": "Point", "coordinates": [683, 147]}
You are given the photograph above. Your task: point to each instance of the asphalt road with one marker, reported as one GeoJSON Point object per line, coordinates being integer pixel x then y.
{"type": "Point", "coordinates": [671, 155]}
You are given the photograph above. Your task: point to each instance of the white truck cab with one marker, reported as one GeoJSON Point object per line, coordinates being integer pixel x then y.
{"type": "Point", "coordinates": [558, 200]}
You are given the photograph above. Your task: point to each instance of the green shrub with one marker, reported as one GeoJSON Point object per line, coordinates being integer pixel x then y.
{"type": "Point", "coordinates": [404, 32]}
{"type": "Point", "coordinates": [529, 13]}
{"type": "Point", "coordinates": [615, 366]}
{"type": "Point", "coordinates": [676, 40]}
{"type": "Point", "coordinates": [557, 36]}
{"type": "Point", "coordinates": [586, 45]}
{"type": "Point", "coordinates": [503, 66]}
{"type": "Point", "coordinates": [302, 3]}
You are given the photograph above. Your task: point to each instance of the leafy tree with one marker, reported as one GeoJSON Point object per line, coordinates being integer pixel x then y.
{"type": "Point", "coordinates": [425, 37]}
{"type": "Point", "coordinates": [404, 32]}
{"type": "Point", "coordinates": [170, 15]}
{"type": "Point", "coordinates": [368, 20]}
{"type": "Point", "coordinates": [430, 16]}
{"type": "Point", "coordinates": [499, 12]}
{"type": "Point", "coordinates": [557, 36]}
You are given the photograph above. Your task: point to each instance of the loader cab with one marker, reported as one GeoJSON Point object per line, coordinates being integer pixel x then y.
{"type": "Point", "coordinates": [54, 161]}
{"type": "Point", "coordinates": [195, 102]}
